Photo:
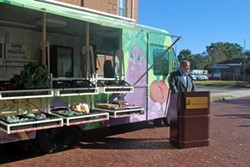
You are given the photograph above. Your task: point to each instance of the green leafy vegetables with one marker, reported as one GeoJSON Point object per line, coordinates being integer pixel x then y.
{"type": "Point", "coordinates": [34, 76]}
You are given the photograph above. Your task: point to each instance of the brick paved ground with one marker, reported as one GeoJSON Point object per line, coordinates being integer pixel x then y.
{"type": "Point", "coordinates": [149, 146]}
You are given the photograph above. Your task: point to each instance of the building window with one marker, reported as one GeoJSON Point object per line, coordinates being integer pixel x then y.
{"type": "Point", "coordinates": [122, 4]}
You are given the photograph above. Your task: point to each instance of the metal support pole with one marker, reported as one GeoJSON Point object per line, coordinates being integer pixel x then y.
{"type": "Point", "coordinates": [43, 43]}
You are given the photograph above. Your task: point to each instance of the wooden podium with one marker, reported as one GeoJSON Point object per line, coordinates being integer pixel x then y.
{"type": "Point", "coordinates": [189, 119]}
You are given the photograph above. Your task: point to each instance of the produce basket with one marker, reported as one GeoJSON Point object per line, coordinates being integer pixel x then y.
{"type": "Point", "coordinates": [117, 111]}
{"type": "Point", "coordinates": [75, 118]}
{"type": "Point", "coordinates": [25, 123]}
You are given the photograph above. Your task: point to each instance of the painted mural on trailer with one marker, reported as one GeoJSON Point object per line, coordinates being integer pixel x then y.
{"type": "Point", "coordinates": [157, 76]}
{"type": "Point", "coordinates": [137, 63]}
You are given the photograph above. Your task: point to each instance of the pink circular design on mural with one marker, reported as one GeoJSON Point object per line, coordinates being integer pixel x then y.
{"type": "Point", "coordinates": [158, 91]}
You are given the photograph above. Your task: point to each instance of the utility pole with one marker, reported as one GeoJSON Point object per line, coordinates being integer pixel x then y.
{"type": "Point", "coordinates": [244, 63]}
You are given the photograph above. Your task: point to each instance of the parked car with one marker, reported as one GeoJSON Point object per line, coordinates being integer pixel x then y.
{"type": "Point", "coordinates": [199, 77]}
{"type": "Point", "coordinates": [202, 77]}
{"type": "Point", "coordinates": [194, 77]}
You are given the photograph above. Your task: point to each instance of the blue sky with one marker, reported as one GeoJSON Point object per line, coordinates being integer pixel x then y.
{"type": "Point", "coordinates": [199, 22]}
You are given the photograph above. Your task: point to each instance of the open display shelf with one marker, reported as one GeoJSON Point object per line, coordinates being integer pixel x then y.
{"type": "Point", "coordinates": [124, 112]}
{"type": "Point", "coordinates": [50, 121]}
{"type": "Point", "coordinates": [24, 94]}
{"type": "Point", "coordinates": [76, 91]}
{"type": "Point", "coordinates": [114, 86]}
{"type": "Point", "coordinates": [116, 89]}
{"type": "Point", "coordinates": [74, 87]}
{"type": "Point", "coordinates": [80, 118]}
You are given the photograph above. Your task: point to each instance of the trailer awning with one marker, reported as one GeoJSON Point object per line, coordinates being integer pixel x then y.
{"type": "Point", "coordinates": [80, 13]}
{"type": "Point", "coordinates": [70, 13]}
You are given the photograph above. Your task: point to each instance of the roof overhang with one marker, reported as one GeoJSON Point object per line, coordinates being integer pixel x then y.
{"type": "Point", "coordinates": [73, 13]}
{"type": "Point", "coordinates": [83, 14]}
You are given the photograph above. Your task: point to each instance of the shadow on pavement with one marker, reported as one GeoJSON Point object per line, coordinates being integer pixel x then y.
{"type": "Point", "coordinates": [105, 139]}
{"type": "Point", "coordinates": [244, 116]}
{"type": "Point", "coordinates": [125, 143]}
{"type": "Point", "coordinates": [244, 126]}
{"type": "Point", "coordinates": [12, 152]}
{"type": "Point", "coordinates": [244, 101]}
{"type": "Point", "coordinates": [93, 139]}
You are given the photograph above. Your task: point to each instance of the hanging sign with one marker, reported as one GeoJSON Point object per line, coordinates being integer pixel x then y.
{"type": "Point", "coordinates": [15, 51]}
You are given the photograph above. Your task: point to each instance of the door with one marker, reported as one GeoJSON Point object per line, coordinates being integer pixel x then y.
{"type": "Point", "coordinates": [61, 61]}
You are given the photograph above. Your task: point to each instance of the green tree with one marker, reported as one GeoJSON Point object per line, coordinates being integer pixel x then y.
{"type": "Point", "coordinates": [198, 61]}
{"type": "Point", "coordinates": [184, 54]}
{"type": "Point", "coordinates": [247, 53]}
{"type": "Point", "coordinates": [222, 51]}
{"type": "Point", "coordinates": [247, 62]}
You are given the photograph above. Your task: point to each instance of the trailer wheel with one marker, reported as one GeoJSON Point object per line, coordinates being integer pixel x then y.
{"type": "Point", "coordinates": [23, 145]}
{"type": "Point", "coordinates": [52, 140]}
{"type": "Point", "coordinates": [157, 122]}
{"type": "Point", "coordinates": [166, 120]}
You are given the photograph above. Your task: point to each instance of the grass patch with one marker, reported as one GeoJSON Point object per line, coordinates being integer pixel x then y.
{"type": "Point", "coordinates": [217, 83]}
{"type": "Point", "coordinates": [214, 98]}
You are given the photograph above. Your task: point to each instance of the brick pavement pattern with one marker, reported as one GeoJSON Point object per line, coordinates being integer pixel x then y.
{"type": "Point", "coordinates": [148, 146]}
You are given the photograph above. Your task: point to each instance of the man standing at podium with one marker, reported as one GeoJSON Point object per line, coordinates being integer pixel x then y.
{"type": "Point", "coordinates": [180, 80]}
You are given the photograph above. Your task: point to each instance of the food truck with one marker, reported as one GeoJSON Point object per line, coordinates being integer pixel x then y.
{"type": "Point", "coordinates": [65, 67]}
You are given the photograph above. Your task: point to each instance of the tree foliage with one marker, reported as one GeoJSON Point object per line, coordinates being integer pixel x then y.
{"type": "Point", "coordinates": [215, 53]}
{"type": "Point", "coordinates": [247, 63]}
{"type": "Point", "coordinates": [184, 54]}
{"type": "Point", "coordinates": [197, 61]}
{"type": "Point", "coordinates": [220, 51]}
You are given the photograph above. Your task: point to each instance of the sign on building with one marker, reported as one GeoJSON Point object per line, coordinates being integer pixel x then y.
{"type": "Point", "coordinates": [15, 51]}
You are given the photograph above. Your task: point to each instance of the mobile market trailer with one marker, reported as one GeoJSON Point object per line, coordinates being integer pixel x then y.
{"type": "Point", "coordinates": [64, 66]}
